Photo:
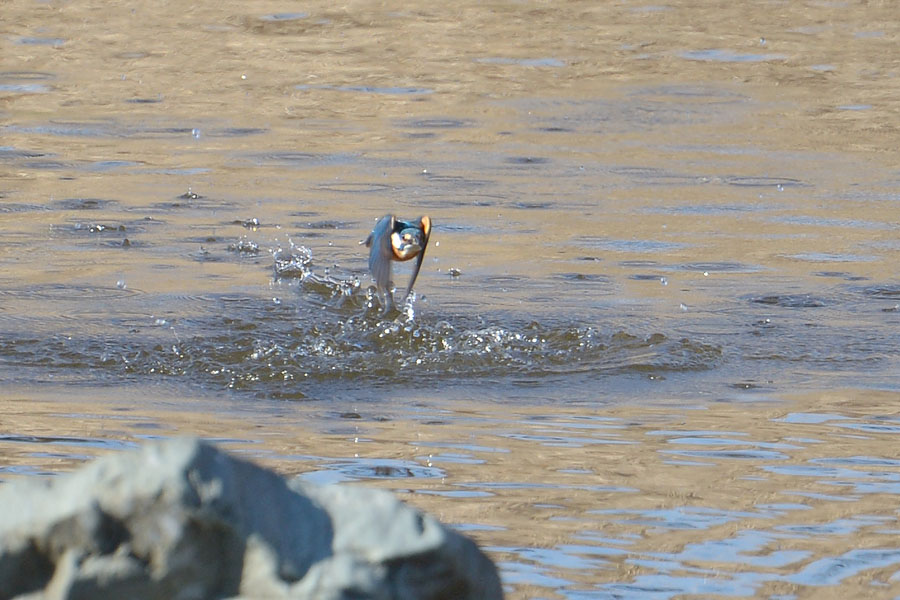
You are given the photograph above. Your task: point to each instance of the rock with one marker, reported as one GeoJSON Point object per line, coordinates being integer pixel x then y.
{"type": "Point", "coordinates": [182, 520]}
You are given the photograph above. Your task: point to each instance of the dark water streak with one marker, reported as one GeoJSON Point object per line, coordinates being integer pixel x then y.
{"type": "Point", "coordinates": [333, 330]}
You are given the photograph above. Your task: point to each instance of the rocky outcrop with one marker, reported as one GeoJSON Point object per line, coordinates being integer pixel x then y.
{"type": "Point", "coordinates": [182, 520]}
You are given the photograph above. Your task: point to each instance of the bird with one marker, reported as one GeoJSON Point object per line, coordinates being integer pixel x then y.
{"type": "Point", "coordinates": [393, 239]}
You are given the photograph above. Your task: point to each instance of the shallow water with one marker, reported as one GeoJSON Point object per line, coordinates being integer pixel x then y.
{"type": "Point", "coordinates": [653, 350]}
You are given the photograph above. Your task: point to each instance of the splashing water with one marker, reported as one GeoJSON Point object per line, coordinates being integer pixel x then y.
{"type": "Point", "coordinates": [334, 331]}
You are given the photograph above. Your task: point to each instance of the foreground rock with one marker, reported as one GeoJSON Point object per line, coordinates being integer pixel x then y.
{"type": "Point", "coordinates": [182, 520]}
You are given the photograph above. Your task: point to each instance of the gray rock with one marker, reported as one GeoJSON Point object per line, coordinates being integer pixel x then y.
{"type": "Point", "coordinates": [182, 520]}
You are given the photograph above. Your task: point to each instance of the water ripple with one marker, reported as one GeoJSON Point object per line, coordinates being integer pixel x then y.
{"type": "Point", "coordinates": [335, 330]}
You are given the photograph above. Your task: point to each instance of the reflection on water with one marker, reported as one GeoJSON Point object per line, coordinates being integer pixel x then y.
{"type": "Point", "coordinates": [652, 253]}
{"type": "Point", "coordinates": [651, 501]}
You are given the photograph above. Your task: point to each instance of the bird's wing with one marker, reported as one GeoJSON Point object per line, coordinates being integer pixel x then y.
{"type": "Point", "coordinates": [380, 252]}
{"type": "Point", "coordinates": [425, 224]}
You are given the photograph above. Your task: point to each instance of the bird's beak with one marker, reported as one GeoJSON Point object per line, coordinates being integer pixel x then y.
{"type": "Point", "coordinates": [425, 226]}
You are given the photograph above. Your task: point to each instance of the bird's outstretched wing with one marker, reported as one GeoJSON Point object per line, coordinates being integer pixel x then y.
{"type": "Point", "coordinates": [425, 225]}
{"type": "Point", "coordinates": [380, 252]}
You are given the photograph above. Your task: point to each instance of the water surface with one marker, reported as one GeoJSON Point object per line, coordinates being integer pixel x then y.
{"type": "Point", "coordinates": [653, 350]}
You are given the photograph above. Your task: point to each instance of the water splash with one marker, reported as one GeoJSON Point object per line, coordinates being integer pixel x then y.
{"type": "Point", "coordinates": [326, 328]}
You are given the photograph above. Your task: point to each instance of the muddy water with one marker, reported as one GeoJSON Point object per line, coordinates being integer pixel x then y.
{"type": "Point", "coordinates": [653, 349]}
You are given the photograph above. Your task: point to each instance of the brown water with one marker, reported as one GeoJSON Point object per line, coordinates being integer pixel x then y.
{"type": "Point", "coordinates": [654, 346]}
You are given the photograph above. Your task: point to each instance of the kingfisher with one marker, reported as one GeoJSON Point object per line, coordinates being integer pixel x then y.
{"type": "Point", "coordinates": [393, 239]}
